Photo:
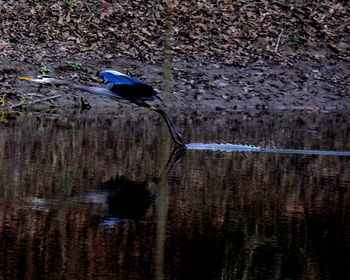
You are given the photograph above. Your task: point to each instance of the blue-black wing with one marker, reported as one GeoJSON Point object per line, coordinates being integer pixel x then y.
{"type": "Point", "coordinates": [128, 89]}
{"type": "Point", "coordinates": [118, 78]}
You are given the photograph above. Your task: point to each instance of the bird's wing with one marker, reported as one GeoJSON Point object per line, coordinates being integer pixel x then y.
{"type": "Point", "coordinates": [118, 78]}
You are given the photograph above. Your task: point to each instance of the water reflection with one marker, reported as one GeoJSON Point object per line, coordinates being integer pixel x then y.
{"type": "Point", "coordinates": [83, 197]}
{"type": "Point", "coordinates": [123, 199]}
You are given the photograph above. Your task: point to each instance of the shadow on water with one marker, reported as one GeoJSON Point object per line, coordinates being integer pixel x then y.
{"type": "Point", "coordinates": [122, 199]}
{"type": "Point", "coordinates": [100, 197]}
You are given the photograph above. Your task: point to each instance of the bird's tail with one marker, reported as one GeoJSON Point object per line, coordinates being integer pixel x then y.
{"type": "Point", "coordinates": [157, 96]}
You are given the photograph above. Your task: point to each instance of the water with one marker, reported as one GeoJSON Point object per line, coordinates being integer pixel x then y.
{"type": "Point", "coordinates": [228, 147]}
{"type": "Point", "coordinates": [103, 197]}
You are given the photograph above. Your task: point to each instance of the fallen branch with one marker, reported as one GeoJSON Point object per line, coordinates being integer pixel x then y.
{"type": "Point", "coordinates": [38, 101]}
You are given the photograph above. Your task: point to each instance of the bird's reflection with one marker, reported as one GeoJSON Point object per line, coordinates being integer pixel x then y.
{"type": "Point", "coordinates": [123, 199]}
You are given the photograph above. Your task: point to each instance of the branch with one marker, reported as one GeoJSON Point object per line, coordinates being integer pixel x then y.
{"type": "Point", "coordinates": [278, 41]}
{"type": "Point", "coordinates": [38, 101]}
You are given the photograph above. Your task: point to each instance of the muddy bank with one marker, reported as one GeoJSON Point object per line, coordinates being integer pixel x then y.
{"type": "Point", "coordinates": [311, 85]}
{"type": "Point", "coordinates": [239, 55]}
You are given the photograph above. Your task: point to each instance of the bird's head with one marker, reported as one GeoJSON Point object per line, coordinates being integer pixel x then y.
{"type": "Point", "coordinates": [44, 79]}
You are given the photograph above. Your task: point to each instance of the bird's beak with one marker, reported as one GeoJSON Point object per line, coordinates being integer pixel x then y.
{"type": "Point", "coordinates": [27, 78]}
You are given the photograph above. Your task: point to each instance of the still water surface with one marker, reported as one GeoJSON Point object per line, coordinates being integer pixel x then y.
{"type": "Point", "coordinates": [89, 196]}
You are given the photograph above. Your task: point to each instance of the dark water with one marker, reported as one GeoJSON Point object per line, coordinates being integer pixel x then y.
{"type": "Point", "coordinates": [101, 197]}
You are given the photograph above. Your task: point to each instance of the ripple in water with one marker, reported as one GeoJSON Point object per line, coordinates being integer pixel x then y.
{"type": "Point", "coordinates": [227, 147]}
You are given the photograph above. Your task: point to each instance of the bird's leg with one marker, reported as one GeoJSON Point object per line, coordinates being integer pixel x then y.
{"type": "Point", "coordinates": [173, 132]}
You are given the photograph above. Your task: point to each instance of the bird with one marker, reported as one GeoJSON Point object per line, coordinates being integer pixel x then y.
{"type": "Point", "coordinates": [121, 88]}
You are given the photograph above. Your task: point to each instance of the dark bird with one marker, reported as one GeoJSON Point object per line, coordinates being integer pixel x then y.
{"type": "Point", "coordinates": [121, 88]}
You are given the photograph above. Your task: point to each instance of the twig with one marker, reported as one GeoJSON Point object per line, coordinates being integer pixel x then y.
{"type": "Point", "coordinates": [278, 40]}
{"type": "Point", "coordinates": [38, 101]}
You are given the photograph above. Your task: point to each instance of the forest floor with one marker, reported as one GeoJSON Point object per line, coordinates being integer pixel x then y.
{"type": "Point", "coordinates": [235, 56]}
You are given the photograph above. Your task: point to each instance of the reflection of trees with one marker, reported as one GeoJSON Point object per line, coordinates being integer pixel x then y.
{"type": "Point", "coordinates": [268, 215]}
{"type": "Point", "coordinates": [229, 216]}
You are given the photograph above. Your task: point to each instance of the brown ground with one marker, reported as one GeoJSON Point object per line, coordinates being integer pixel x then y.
{"type": "Point", "coordinates": [227, 55]}
{"type": "Point", "coordinates": [306, 85]}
